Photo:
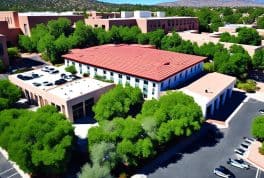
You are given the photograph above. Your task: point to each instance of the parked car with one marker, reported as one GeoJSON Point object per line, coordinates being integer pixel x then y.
{"type": "Point", "coordinates": [261, 111]}
{"type": "Point", "coordinates": [24, 77]}
{"type": "Point", "coordinates": [246, 143]}
{"type": "Point", "coordinates": [251, 140]}
{"type": "Point", "coordinates": [35, 75]}
{"type": "Point", "coordinates": [60, 81]}
{"type": "Point", "coordinates": [46, 83]}
{"type": "Point", "coordinates": [240, 163]}
{"type": "Point", "coordinates": [221, 171]}
{"type": "Point", "coordinates": [45, 69]}
{"type": "Point", "coordinates": [36, 84]}
{"type": "Point", "coordinates": [239, 151]}
{"type": "Point", "coordinates": [53, 71]}
{"type": "Point", "coordinates": [244, 146]}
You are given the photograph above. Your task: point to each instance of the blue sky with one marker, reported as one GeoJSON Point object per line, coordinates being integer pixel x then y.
{"type": "Point", "coordinates": [149, 2]}
{"type": "Point", "coordinates": [137, 1]}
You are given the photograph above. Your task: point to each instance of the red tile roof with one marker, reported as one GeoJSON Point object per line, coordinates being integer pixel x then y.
{"type": "Point", "coordinates": [136, 60]}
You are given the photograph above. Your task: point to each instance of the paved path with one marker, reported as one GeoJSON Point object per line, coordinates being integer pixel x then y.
{"type": "Point", "coordinates": [7, 170]}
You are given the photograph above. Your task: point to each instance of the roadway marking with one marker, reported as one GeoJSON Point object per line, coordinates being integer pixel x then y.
{"type": "Point", "coordinates": [1, 173]}
{"type": "Point", "coordinates": [257, 173]}
{"type": "Point", "coordinates": [12, 175]}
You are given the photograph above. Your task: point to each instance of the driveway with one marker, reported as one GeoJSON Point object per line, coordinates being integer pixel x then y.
{"type": "Point", "coordinates": [6, 169]}
{"type": "Point", "coordinates": [204, 154]}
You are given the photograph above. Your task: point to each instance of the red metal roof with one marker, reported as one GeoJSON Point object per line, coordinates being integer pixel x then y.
{"type": "Point", "coordinates": [137, 60]}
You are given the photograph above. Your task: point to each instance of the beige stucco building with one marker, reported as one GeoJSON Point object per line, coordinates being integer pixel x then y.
{"type": "Point", "coordinates": [74, 98]}
{"type": "Point", "coordinates": [3, 50]}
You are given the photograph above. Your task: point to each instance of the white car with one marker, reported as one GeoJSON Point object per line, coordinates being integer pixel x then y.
{"type": "Point", "coordinates": [261, 111]}
{"type": "Point", "coordinates": [221, 171]}
{"type": "Point", "coordinates": [238, 163]}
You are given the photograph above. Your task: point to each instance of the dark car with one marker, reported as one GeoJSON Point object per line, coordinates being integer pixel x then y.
{"type": "Point", "coordinates": [36, 84]}
{"type": "Point", "coordinates": [35, 75]}
{"type": "Point", "coordinates": [221, 171]}
{"type": "Point", "coordinates": [60, 82]}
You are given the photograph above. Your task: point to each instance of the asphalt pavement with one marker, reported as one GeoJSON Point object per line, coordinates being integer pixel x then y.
{"type": "Point", "coordinates": [203, 155]}
{"type": "Point", "coordinates": [7, 170]}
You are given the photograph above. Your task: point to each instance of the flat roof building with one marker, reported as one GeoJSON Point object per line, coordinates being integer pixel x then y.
{"type": "Point", "coordinates": [142, 66]}
{"type": "Point", "coordinates": [74, 98]}
{"type": "Point", "coordinates": [211, 91]}
{"type": "Point", "coordinates": [146, 22]}
{"type": "Point", "coordinates": [203, 38]}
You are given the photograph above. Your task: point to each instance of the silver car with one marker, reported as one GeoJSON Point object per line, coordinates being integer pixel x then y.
{"type": "Point", "coordinates": [239, 163]}
{"type": "Point", "coordinates": [221, 171]}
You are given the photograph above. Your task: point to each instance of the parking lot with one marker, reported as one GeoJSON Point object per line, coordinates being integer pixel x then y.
{"type": "Point", "coordinates": [202, 156]}
{"type": "Point", "coordinates": [6, 169]}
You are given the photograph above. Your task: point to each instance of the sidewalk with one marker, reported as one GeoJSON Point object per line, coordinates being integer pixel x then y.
{"type": "Point", "coordinates": [254, 157]}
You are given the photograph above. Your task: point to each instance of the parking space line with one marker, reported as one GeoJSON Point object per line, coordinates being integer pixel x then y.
{"type": "Point", "coordinates": [1, 173]}
{"type": "Point", "coordinates": [13, 175]}
{"type": "Point", "coordinates": [257, 173]}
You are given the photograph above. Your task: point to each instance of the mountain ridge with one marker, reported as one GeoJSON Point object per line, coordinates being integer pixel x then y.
{"type": "Point", "coordinates": [214, 3]}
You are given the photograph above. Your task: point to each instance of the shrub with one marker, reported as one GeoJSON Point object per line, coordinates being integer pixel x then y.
{"type": "Point", "coordinates": [261, 149]}
{"type": "Point", "coordinates": [249, 86]}
{"type": "Point", "coordinates": [86, 74]}
{"type": "Point", "coordinates": [208, 67]}
{"type": "Point", "coordinates": [2, 66]}
{"type": "Point", "coordinates": [71, 69]}
{"type": "Point", "coordinates": [257, 128]}
{"type": "Point", "coordinates": [103, 79]}
{"type": "Point", "coordinates": [13, 53]}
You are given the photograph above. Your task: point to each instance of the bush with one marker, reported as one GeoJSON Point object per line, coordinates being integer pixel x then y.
{"type": "Point", "coordinates": [86, 74]}
{"type": "Point", "coordinates": [257, 128]}
{"type": "Point", "coordinates": [13, 53]}
{"type": "Point", "coordinates": [261, 149]}
{"type": "Point", "coordinates": [249, 86]}
{"type": "Point", "coordinates": [71, 69]}
{"type": "Point", "coordinates": [208, 67]}
{"type": "Point", "coordinates": [103, 79]}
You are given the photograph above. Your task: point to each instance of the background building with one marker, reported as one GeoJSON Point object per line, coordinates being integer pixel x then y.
{"type": "Point", "coordinates": [146, 21]}
{"type": "Point", "coordinates": [3, 50]}
{"type": "Point", "coordinates": [74, 98]}
{"type": "Point", "coordinates": [150, 69]}
{"type": "Point", "coordinates": [211, 91]}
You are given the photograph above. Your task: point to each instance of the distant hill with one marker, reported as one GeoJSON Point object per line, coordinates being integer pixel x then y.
{"type": "Point", "coordinates": [214, 3]}
{"type": "Point", "coordinates": [51, 5]}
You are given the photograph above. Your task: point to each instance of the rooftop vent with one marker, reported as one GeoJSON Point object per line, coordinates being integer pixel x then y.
{"type": "Point", "coordinates": [166, 63]}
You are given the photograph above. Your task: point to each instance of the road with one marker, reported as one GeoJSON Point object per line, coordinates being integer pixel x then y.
{"type": "Point", "coordinates": [201, 157]}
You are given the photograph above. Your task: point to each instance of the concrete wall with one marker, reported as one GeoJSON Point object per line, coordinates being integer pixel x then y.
{"type": "Point", "coordinates": [10, 33]}
{"type": "Point", "coordinates": [3, 50]}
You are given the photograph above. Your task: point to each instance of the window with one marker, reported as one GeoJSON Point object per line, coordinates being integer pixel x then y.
{"type": "Point", "coordinates": [120, 76]}
{"type": "Point", "coordinates": [154, 84]}
{"type": "Point", "coordinates": [67, 61]}
{"type": "Point", "coordinates": [80, 67]}
{"type": "Point", "coordinates": [26, 29]}
{"type": "Point", "coordinates": [95, 25]}
{"type": "Point", "coordinates": [73, 63]}
{"type": "Point", "coordinates": [127, 77]}
{"type": "Point", "coordinates": [137, 80]}
{"type": "Point", "coordinates": [104, 72]}
{"type": "Point", "coordinates": [103, 26]}
{"type": "Point", "coordinates": [95, 70]}
{"type": "Point", "coordinates": [88, 69]}
{"type": "Point", "coordinates": [145, 82]}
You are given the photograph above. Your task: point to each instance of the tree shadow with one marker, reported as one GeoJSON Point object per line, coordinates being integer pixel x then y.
{"type": "Point", "coordinates": [229, 107]}
{"type": "Point", "coordinates": [208, 136]}
{"type": "Point", "coordinates": [24, 63]}
{"type": "Point", "coordinates": [85, 120]}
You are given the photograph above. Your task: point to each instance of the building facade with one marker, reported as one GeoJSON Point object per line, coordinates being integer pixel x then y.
{"type": "Point", "coordinates": [3, 50]}
{"type": "Point", "coordinates": [211, 91]}
{"type": "Point", "coordinates": [140, 66]}
{"type": "Point", "coordinates": [146, 22]}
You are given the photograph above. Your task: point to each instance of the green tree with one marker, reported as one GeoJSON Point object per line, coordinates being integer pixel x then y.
{"type": "Point", "coordinates": [143, 38]}
{"type": "Point", "coordinates": [129, 35]}
{"type": "Point", "coordinates": [37, 33]}
{"type": "Point", "coordinates": [9, 94]}
{"type": "Point", "coordinates": [155, 37]}
{"type": "Point", "coordinates": [2, 66]}
{"type": "Point", "coordinates": [13, 53]}
{"type": "Point", "coordinates": [25, 43]}
{"type": "Point", "coordinates": [257, 128]}
{"type": "Point", "coordinates": [39, 142]}
{"type": "Point", "coordinates": [248, 36]}
{"type": "Point", "coordinates": [258, 59]}
{"type": "Point", "coordinates": [61, 46]}
{"type": "Point", "coordinates": [170, 42]}
{"type": "Point", "coordinates": [95, 171]}
{"type": "Point", "coordinates": [118, 102]}
{"type": "Point", "coordinates": [71, 69]}
{"type": "Point", "coordinates": [260, 22]}
{"type": "Point", "coordinates": [59, 27]}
